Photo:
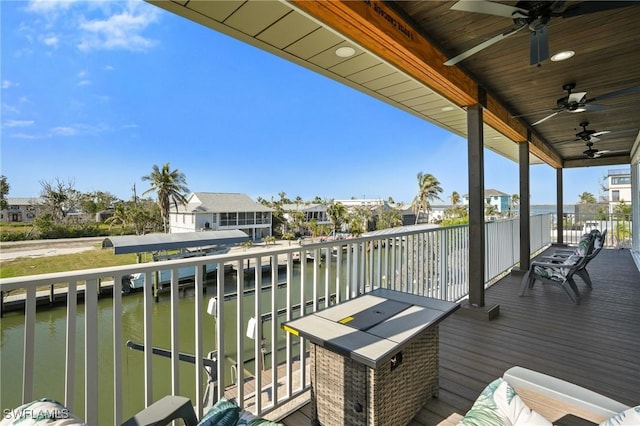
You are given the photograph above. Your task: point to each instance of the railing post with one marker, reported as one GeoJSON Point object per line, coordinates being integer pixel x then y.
{"type": "Point", "coordinates": [443, 281]}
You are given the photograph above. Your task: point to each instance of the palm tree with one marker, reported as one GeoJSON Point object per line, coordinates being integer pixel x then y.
{"type": "Point", "coordinates": [428, 190]}
{"type": "Point", "coordinates": [119, 217]}
{"type": "Point", "coordinates": [455, 198]}
{"type": "Point", "coordinates": [337, 213]}
{"type": "Point", "coordinates": [170, 187]}
{"type": "Point", "coordinates": [515, 201]}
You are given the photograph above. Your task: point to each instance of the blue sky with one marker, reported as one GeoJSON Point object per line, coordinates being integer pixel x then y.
{"type": "Point", "coordinates": [98, 92]}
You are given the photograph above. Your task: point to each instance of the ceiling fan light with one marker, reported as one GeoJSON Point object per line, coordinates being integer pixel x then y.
{"type": "Point", "coordinates": [561, 56]}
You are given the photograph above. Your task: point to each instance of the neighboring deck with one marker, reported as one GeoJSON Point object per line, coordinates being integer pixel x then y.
{"type": "Point", "coordinates": [594, 344]}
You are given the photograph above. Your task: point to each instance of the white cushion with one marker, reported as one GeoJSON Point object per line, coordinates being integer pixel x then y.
{"type": "Point", "coordinates": [499, 405]}
{"type": "Point", "coordinates": [630, 417]}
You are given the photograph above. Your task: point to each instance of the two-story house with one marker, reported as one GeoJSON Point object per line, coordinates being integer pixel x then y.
{"type": "Point", "coordinates": [618, 185]}
{"type": "Point", "coordinates": [20, 210]}
{"type": "Point", "coordinates": [220, 211]}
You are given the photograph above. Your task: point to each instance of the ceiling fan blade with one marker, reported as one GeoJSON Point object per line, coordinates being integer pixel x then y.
{"type": "Point", "coordinates": [481, 46]}
{"type": "Point", "coordinates": [587, 7]}
{"type": "Point", "coordinates": [594, 139]}
{"type": "Point", "coordinates": [594, 107]}
{"type": "Point", "coordinates": [617, 93]}
{"type": "Point", "coordinates": [576, 97]}
{"type": "Point", "coordinates": [539, 46]}
{"type": "Point", "coordinates": [546, 118]}
{"type": "Point", "coordinates": [604, 132]}
{"type": "Point", "coordinates": [541, 111]}
{"type": "Point", "coordinates": [490, 8]}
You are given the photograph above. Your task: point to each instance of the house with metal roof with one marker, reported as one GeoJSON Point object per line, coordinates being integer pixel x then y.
{"type": "Point", "coordinates": [206, 211]}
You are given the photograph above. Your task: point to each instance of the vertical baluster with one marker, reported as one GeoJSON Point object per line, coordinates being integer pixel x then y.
{"type": "Point", "coordinates": [91, 351]}
{"type": "Point", "coordinates": [29, 344]}
{"type": "Point", "coordinates": [117, 349]}
{"type": "Point", "coordinates": [70, 368]}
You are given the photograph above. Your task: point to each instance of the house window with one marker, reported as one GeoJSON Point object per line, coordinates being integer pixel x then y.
{"type": "Point", "coordinates": [615, 195]}
{"type": "Point", "coordinates": [228, 219]}
{"type": "Point", "coordinates": [621, 180]}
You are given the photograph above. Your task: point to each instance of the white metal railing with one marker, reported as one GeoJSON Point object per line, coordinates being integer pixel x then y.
{"type": "Point", "coordinates": [619, 228]}
{"type": "Point", "coordinates": [431, 262]}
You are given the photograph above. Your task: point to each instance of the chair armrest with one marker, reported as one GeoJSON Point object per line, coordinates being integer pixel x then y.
{"type": "Point", "coordinates": [165, 410]}
{"type": "Point", "coordinates": [555, 398]}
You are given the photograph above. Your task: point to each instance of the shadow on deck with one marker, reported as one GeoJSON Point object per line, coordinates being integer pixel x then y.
{"type": "Point", "coordinates": [594, 344]}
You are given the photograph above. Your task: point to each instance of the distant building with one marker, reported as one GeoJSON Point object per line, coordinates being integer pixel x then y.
{"type": "Point", "coordinates": [618, 187]}
{"type": "Point", "coordinates": [493, 197]}
{"type": "Point", "coordinates": [220, 211]}
{"type": "Point", "coordinates": [310, 211]}
{"type": "Point", "coordinates": [21, 210]}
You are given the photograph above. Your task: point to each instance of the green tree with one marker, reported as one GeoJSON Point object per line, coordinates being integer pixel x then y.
{"type": "Point", "coordinates": [4, 191]}
{"type": "Point", "coordinates": [170, 187]}
{"type": "Point", "coordinates": [587, 198]}
{"type": "Point", "coordinates": [337, 213]}
{"type": "Point", "coordinates": [96, 201]}
{"type": "Point", "coordinates": [490, 210]}
{"type": "Point", "coordinates": [120, 216]}
{"type": "Point", "coordinates": [428, 190]}
{"type": "Point", "coordinates": [456, 210]}
{"type": "Point", "coordinates": [514, 202]}
{"type": "Point", "coordinates": [388, 217]}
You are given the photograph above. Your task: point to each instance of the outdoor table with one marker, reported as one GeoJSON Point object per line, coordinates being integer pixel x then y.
{"type": "Point", "coordinates": [374, 358]}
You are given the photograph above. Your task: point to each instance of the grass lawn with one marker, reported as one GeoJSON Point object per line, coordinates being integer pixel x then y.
{"type": "Point", "coordinates": [96, 258]}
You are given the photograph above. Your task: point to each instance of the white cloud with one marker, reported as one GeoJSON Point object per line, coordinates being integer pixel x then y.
{"type": "Point", "coordinates": [6, 84]}
{"type": "Point", "coordinates": [9, 109]}
{"type": "Point", "coordinates": [51, 40]}
{"type": "Point", "coordinates": [24, 136]}
{"type": "Point", "coordinates": [49, 6]}
{"type": "Point", "coordinates": [109, 68]}
{"type": "Point", "coordinates": [18, 123]}
{"type": "Point", "coordinates": [63, 131]}
{"type": "Point", "coordinates": [84, 82]}
{"type": "Point", "coordinates": [94, 25]}
{"type": "Point", "coordinates": [120, 31]}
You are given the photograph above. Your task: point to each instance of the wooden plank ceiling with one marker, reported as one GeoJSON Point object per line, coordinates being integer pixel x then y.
{"type": "Point", "coordinates": [399, 54]}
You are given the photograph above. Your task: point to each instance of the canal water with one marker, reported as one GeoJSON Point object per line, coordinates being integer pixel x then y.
{"type": "Point", "coordinates": [50, 340]}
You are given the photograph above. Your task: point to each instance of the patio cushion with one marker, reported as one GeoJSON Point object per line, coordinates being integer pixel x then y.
{"type": "Point", "coordinates": [557, 273]}
{"type": "Point", "coordinates": [499, 405]}
{"type": "Point", "coordinates": [630, 417]}
{"type": "Point", "coordinates": [226, 413]}
{"type": "Point", "coordinates": [223, 413]}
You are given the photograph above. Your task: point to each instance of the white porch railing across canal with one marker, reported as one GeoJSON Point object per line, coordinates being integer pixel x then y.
{"type": "Point", "coordinates": [431, 262]}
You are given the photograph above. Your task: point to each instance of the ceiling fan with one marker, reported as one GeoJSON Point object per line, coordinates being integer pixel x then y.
{"type": "Point", "coordinates": [590, 135]}
{"type": "Point", "coordinates": [591, 152]}
{"type": "Point", "coordinates": [578, 102]}
{"type": "Point", "coordinates": [534, 15]}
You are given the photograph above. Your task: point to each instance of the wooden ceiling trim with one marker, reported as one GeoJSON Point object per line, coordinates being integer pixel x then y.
{"type": "Point", "coordinates": [602, 161]}
{"type": "Point", "coordinates": [500, 119]}
{"type": "Point", "coordinates": [379, 29]}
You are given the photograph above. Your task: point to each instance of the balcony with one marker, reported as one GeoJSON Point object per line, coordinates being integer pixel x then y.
{"type": "Point", "coordinates": [593, 344]}
{"type": "Point", "coordinates": [76, 352]}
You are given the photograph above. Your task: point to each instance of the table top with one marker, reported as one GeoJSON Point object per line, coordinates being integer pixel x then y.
{"type": "Point", "coordinates": [373, 327]}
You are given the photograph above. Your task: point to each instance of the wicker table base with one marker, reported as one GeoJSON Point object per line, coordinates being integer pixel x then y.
{"type": "Point", "coordinates": [345, 392]}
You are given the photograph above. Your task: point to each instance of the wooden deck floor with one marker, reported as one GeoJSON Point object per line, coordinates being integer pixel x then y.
{"type": "Point", "coordinates": [594, 344]}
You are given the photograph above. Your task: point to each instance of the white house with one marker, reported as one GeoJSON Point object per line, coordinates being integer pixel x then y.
{"type": "Point", "coordinates": [311, 211]}
{"type": "Point", "coordinates": [21, 210]}
{"type": "Point", "coordinates": [219, 211]}
{"type": "Point", "coordinates": [618, 187]}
